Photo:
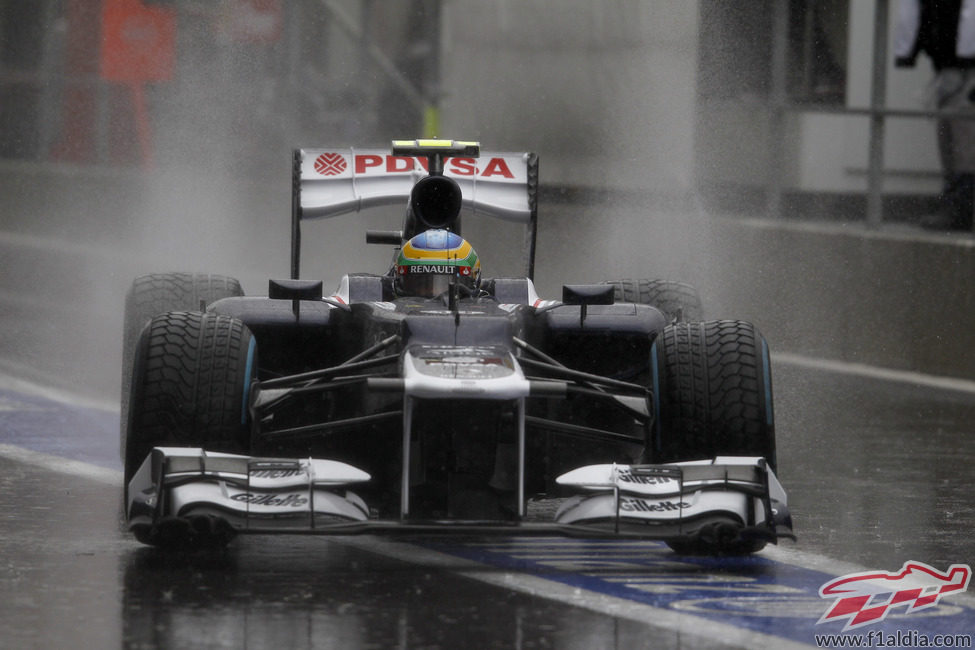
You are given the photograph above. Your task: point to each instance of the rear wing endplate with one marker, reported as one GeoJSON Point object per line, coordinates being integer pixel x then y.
{"type": "Point", "coordinates": [330, 182]}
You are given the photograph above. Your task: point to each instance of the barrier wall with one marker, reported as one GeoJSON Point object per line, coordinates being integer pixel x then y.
{"type": "Point", "coordinates": [891, 299]}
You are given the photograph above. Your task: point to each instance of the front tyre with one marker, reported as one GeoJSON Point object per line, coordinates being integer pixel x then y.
{"type": "Point", "coordinates": [190, 386]}
{"type": "Point", "coordinates": [712, 388]}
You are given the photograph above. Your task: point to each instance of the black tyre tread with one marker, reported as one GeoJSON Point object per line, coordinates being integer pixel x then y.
{"type": "Point", "coordinates": [158, 293]}
{"type": "Point", "coordinates": [712, 387]}
{"type": "Point", "coordinates": [678, 300]}
{"type": "Point", "coordinates": [182, 289]}
{"type": "Point", "coordinates": [189, 385]}
{"type": "Point", "coordinates": [729, 546]}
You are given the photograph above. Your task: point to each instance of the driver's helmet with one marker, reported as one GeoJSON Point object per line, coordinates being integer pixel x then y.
{"type": "Point", "coordinates": [426, 264]}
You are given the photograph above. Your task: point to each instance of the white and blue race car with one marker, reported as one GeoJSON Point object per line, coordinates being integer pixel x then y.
{"type": "Point", "coordinates": [424, 398]}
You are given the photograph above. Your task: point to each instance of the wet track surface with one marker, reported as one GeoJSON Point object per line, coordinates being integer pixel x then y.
{"type": "Point", "coordinates": [878, 473]}
{"type": "Point", "coordinates": [876, 486]}
{"type": "Point", "coordinates": [69, 579]}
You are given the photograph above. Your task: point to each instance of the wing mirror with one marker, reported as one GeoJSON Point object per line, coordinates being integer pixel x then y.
{"type": "Point", "coordinates": [587, 294]}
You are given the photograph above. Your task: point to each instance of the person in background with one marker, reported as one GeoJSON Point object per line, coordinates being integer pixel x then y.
{"type": "Point", "coordinates": [944, 30]}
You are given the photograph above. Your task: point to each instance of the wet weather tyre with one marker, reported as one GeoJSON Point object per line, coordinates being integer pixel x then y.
{"type": "Point", "coordinates": [712, 388]}
{"type": "Point", "coordinates": [190, 386]}
{"type": "Point", "coordinates": [712, 391]}
{"type": "Point", "coordinates": [679, 301]}
{"type": "Point", "coordinates": [158, 293]}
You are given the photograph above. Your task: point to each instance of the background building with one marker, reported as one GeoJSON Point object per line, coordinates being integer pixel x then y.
{"type": "Point", "coordinates": [725, 100]}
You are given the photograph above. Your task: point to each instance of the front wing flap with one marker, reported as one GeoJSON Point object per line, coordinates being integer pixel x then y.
{"type": "Point", "coordinates": [680, 499]}
{"type": "Point", "coordinates": [254, 495]}
{"type": "Point", "coordinates": [248, 494]}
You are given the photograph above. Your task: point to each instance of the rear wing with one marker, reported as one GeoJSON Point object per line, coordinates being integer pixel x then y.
{"type": "Point", "coordinates": [330, 182]}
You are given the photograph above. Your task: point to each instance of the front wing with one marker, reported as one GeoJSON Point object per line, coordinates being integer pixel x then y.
{"type": "Point", "coordinates": [222, 495]}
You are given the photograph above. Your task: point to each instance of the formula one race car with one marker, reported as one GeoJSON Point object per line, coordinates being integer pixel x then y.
{"type": "Point", "coordinates": [428, 399]}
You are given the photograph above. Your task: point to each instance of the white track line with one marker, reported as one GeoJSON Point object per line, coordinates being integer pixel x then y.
{"type": "Point", "coordinates": [788, 554]}
{"type": "Point", "coordinates": [62, 246]}
{"type": "Point", "coordinates": [62, 465]}
{"type": "Point", "coordinates": [14, 383]}
{"type": "Point", "coordinates": [874, 372]}
{"type": "Point", "coordinates": [687, 627]}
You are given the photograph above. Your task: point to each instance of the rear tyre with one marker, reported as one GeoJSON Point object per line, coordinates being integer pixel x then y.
{"type": "Point", "coordinates": [678, 301]}
{"type": "Point", "coordinates": [712, 388]}
{"type": "Point", "coordinates": [190, 386]}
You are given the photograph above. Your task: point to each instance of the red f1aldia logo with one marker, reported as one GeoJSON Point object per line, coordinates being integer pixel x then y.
{"type": "Point", "coordinates": [330, 164]}
{"type": "Point", "coordinates": [865, 598]}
